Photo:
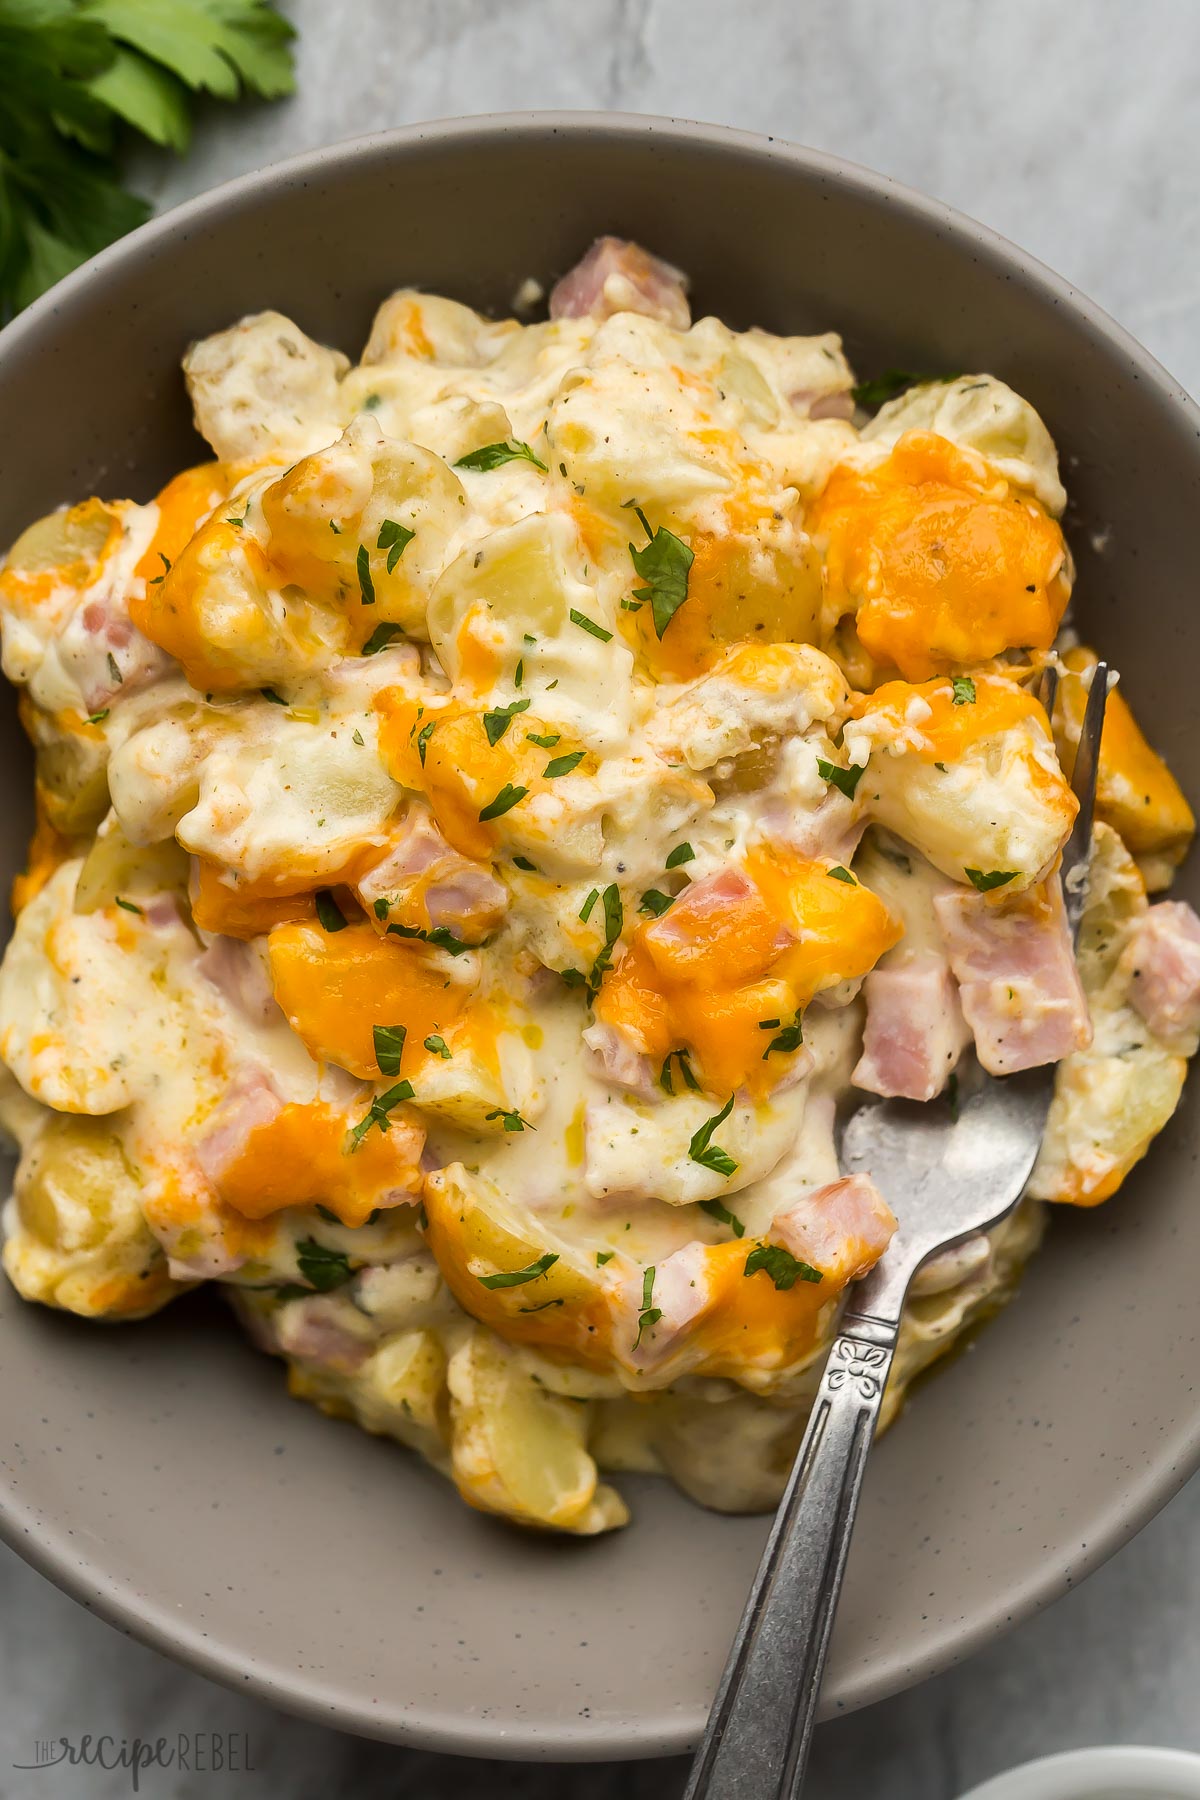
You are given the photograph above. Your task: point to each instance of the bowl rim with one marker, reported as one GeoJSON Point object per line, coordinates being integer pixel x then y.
{"type": "Point", "coordinates": [1141, 1495]}
{"type": "Point", "coordinates": [1059, 1777]}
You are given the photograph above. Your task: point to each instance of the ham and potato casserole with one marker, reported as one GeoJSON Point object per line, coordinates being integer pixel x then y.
{"type": "Point", "coordinates": [494, 814]}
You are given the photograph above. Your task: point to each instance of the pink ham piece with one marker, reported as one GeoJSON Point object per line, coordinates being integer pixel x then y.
{"type": "Point", "coordinates": [325, 1330]}
{"type": "Point", "coordinates": [1018, 984]}
{"type": "Point", "coordinates": [1164, 984]}
{"type": "Point", "coordinates": [614, 1059]}
{"type": "Point", "coordinates": [681, 1294]}
{"type": "Point", "coordinates": [238, 971]}
{"type": "Point", "coordinates": [915, 1031]}
{"type": "Point", "coordinates": [250, 1101]}
{"type": "Point", "coordinates": [618, 276]}
{"type": "Point", "coordinates": [844, 1226]}
{"type": "Point", "coordinates": [426, 885]}
{"type": "Point", "coordinates": [815, 405]}
{"type": "Point", "coordinates": [684, 938]}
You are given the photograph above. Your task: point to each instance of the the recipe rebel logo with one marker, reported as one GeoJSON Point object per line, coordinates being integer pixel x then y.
{"type": "Point", "coordinates": [193, 1753]}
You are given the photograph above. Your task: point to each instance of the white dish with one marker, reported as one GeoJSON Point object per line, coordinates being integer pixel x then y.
{"type": "Point", "coordinates": [1113, 1772]}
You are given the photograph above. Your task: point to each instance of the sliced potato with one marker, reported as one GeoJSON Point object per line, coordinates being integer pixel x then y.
{"type": "Point", "coordinates": [517, 1450]}
{"type": "Point", "coordinates": [113, 866]}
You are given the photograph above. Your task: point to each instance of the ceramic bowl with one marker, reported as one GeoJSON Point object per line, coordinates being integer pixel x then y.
{"type": "Point", "coordinates": [159, 1472]}
{"type": "Point", "coordinates": [1114, 1772]}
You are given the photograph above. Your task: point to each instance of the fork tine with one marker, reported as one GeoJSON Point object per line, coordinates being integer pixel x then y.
{"type": "Point", "coordinates": [1045, 689]}
{"type": "Point", "coordinates": [1078, 849]}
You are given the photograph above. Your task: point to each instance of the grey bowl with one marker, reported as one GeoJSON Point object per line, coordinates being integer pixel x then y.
{"type": "Point", "coordinates": [158, 1472]}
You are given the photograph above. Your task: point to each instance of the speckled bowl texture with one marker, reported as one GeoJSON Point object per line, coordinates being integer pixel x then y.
{"type": "Point", "coordinates": [159, 1472]}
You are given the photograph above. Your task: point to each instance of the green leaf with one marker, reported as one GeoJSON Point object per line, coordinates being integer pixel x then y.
{"type": "Point", "coordinates": [838, 873]}
{"type": "Point", "coordinates": [440, 936]}
{"type": "Point", "coordinates": [395, 539]}
{"type": "Point", "coordinates": [497, 722]}
{"type": "Point", "coordinates": [649, 1315]}
{"type": "Point", "coordinates": [655, 903]}
{"type": "Point", "coordinates": [784, 1269]}
{"type": "Point", "coordinates": [702, 1149]}
{"type": "Point", "coordinates": [273, 697]}
{"type": "Point", "coordinates": [790, 1038]}
{"type": "Point", "coordinates": [845, 780]}
{"type": "Point", "coordinates": [380, 638]}
{"type": "Point", "coordinates": [128, 905]}
{"type": "Point", "coordinates": [682, 853]}
{"type": "Point", "coordinates": [329, 912]}
{"type": "Point", "coordinates": [614, 922]}
{"type": "Point", "coordinates": [508, 797]}
{"type": "Point", "coordinates": [986, 882]}
{"type": "Point", "coordinates": [366, 585]}
{"type": "Point", "coordinates": [512, 1120]}
{"type": "Point", "coordinates": [213, 46]}
{"type": "Point", "coordinates": [964, 690]}
{"type": "Point", "coordinates": [562, 765]}
{"type": "Point", "coordinates": [892, 382]}
{"type": "Point", "coordinates": [604, 1256]}
{"type": "Point", "coordinates": [389, 1047]}
{"type": "Point", "coordinates": [377, 1112]}
{"type": "Point", "coordinates": [437, 1046]}
{"type": "Point", "coordinates": [494, 456]}
{"type": "Point", "coordinates": [544, 741]}
{"type": "Point", "coordinates": [507, 1278]}
{"type": "Point", "coordinates": [665, 1080]}
{"type": "Point", "coordinates": [590, 625]}
{"type": "Point", "coordinates": [585, 911]}
{"type": "Point", "coordinates": [523, 862]}
{"type": "Point", "coordinates": [322, 1267]}
{"type": "Point", "coordinates": [663, 564]}
{"type": "Point", "coordinates": [423, 737]}
{"type": "Point", "coordinates": [146, 96]}
{"type": "Point", "coordinates": [715, 1210]}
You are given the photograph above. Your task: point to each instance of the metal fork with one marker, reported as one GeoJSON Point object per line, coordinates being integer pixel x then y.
{"type": "Point", "coordinates": [947, 1173]}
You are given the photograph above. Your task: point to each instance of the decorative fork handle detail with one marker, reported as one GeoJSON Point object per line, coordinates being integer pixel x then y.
{"type": "Point", "coordinates": [757, 1741]}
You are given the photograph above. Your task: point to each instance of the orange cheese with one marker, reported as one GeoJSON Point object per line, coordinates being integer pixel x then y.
{"type": "Point", "coordinates": [943, 563]}
{"type": "Point", "coordinates": [951, 726]}
{"type": "Point", "coordinates": [301, 1158]}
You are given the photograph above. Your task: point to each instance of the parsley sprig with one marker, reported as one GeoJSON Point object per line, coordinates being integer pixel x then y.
{"type": "Point", "coordinates": [663, 564]}
{"type": "Point", "coordinates": [709, 1155]}
{"type": "Point", "coordinates": [75, 79]}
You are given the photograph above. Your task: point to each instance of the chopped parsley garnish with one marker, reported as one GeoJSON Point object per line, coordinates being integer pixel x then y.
{"type": "Point", "coordinates": [790, 1038]}
{"type": "Point", "coordinates": [650, 1314]}
{"type": "Point", "coordinates": [985, 882]}
{"type": "Point", "coordinates": [523, 862]}
{"type": "Point", "coordinates": [114, 671]}
{"type": "Point", "coordinates": [544, 740]}
{"type": "Point", "coordinates": [273, 697]}
{"type": "Point", "coordinates": [585, 911]}
{"type": "Point", "coordinates": [845, 780]}
{"type": "Point", "coordinates": [238, 523]}
{"type": "Point", "coordinates": [508, 797]}
{"type": "Point", "coordinates": [97, 718]}
{"type": "Point", "coordinates": [382, 907]}
{"type": "Point", "coordinates": [562, 765]}
{"type": "Point", "coordinates": [604, 1256]}
{"type": "Point", "coordinates": [381, 637]}
{"type": "Point", "coordinates": [357, 738]}
{"type": "Point", "coordinates": [166, 563]}
{"type": "Point", "coordinates": [497, 722]}
{"type": "Point", "coordinates": [437, 1046]}
{"type": "Point", "coordinates": [377, 1112]}
{"type": "Point", "coordinates": [541, 1307]}
{"type": "Point", "coordinates": [329, 912]}
{"type": "Point", "coordinates": [128, 906]}
{"type": "Point", "coordinates": [494, 456]}
{"type": "Point", "coordinates": [335, 528]}
{"type": "Point", "coordinates": [614, 919]}
{"type": "Point", "coordinates": [528, 638]}
{"type": "Point", "coordinates": [838, 873]}
{"type": "Point", "coordinates": [702, 1149]}
{"type": "Point", "coordinates": [395, 539]}
{"type": "Point", "coordinates": [784, 1269]}
{"type": "Point", "coordinates": [423, 737]}
{"type": "Point", "coordinates": [663, 564]}
{"type": "Point", "coordinates": [519, 674]}
{"type": "Point", "coordinates": [586, 624]}
{"type": "Point", "coordinates": [715, 1210]}
{"type": "Point", "coordinates": [322, 1267]}
{"type": "Point", "coordinates": [366, 586]}
{"type": "Point", "coordinates": [889, 384]}
{"type": "Point", "coordinates": [389, 1047]}
{"type": "Point", "coordinates": [512, 1120]}
{"type": "Point", "coordinates": [506, 1278]}
{"type": "Point", "coordinates": [655, 903]}
{"type": "Point", "coordinates": [440, 936]}
{"type": "Point", "coordinates": [964, 690]}
{"type": "Point", "coordinates": [665, 1079]}
{"type": "Point", "coordinates": [682, 853]}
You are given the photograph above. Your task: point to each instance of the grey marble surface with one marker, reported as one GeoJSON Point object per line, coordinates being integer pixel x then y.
{"type": "Point", "coordinates": [1072, 127]}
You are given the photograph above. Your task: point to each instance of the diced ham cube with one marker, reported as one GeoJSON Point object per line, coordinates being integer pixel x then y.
{"type": "Point", "coordinates": [618, 276]}
{"type": "Point", "coordinates": [719, 925]}
{"type": "Point", "coordinates": [425, 884]}
{"type": "Point", "coordinates": [252, 1100]}
{"type": "Point", "coordinates": [841, 1229]}
{"type": "Point", "coordinates": [1018, 983]}
{"type": "Point", "coordinates": [1164, 961]}
{"type": "Point", "coordinates": [682, 1291]}
{"type": "Point", "coordinates": [614, 1059]}
{"type": "Point", "coordinates": [325, 1330]}
{"type": "Point", "coordinates": [915, 1030]}
{"type": "Point", "coordinates": [239, 972]}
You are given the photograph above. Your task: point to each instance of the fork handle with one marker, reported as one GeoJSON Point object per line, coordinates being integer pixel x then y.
{"type": "Point", "coordinates": [760, 1728]}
